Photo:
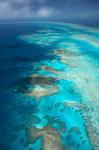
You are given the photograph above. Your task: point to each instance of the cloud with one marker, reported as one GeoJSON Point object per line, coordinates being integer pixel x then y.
{"type": "Point", "coordinates": [4, 9]}
{"type": "Point", "coordinates": [23, 9]}
{"type": "Point", "coordinates": [48, 9]}
{"type": "Point", "coordinates": [45, 12]}
{"type": "Point", "coordinates": [41, 1]}
{"type": "Point", "coordinates": [8, 11]}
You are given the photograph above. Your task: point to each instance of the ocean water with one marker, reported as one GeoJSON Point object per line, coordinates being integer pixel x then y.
{"type": "Point", "coordinates": [49, 86]}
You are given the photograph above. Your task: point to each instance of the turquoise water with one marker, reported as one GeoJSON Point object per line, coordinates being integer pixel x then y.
{"type": "Point", "coordinates": [49, 87]}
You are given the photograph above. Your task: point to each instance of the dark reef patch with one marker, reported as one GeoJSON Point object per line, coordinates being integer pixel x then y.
{"type": "Point", "coordinates": [24, 84]}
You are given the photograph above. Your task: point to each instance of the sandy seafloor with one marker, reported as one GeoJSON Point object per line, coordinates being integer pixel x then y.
{"type": "Point", "coordinates": [49, 87]}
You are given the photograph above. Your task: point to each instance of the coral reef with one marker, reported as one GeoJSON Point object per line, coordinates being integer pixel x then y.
{"type": "Point", "coordinates": [51, 70]}
{"type": "Point", "coordinates": [40, 91]}
{"type": "Point", "coordinates": [37, 86]}
{"type": "Point", "coordinates": [75, 105]}
{"type": "Point", "coordinates": [51, 139]}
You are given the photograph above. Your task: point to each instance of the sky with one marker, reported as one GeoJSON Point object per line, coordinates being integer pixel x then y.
{"type": "Point", "coordinates": [49, 9]}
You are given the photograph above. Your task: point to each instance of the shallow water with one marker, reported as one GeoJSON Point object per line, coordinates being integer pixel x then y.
{"type": "Point", "coordinates": [49, 81]}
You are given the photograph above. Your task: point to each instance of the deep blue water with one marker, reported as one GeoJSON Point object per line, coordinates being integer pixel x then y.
{"type": "Point", "coordinates": [15, 58]}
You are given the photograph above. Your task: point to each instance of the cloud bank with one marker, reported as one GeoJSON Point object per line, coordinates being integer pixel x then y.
{"type": "Point", "coordinates": [14, 9]}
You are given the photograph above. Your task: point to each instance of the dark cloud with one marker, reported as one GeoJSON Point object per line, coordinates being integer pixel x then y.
{"type": "Point", "coordinates": [48, 9]}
